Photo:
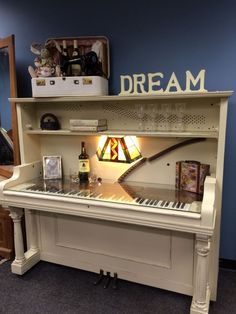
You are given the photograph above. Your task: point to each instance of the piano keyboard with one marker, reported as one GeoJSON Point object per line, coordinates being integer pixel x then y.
{"type": "Point", "coordinates": [123, 199]}
{"type": "Point", "coordinates": [163, 204]}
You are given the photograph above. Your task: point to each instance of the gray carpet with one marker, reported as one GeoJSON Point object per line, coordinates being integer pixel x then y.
{"type": "Point", "coordinates": [49, 288]}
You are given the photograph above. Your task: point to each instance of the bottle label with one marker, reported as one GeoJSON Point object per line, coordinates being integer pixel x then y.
{"type": "Point", "coordinates": [84, 165]}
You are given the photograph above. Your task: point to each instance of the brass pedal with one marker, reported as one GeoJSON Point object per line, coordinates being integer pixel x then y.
{"type": "Point", "coordinates": [115, 281]}
{"type": "Point", "coordinates": [107, 280]}
{"type": "Point", "coordinates": [100, 277]}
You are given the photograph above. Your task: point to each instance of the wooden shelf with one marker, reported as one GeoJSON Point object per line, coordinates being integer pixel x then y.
{"type": "Point", "coordinates": [206, 134]}
{"type": "Point", "coordinates": [109, 98]}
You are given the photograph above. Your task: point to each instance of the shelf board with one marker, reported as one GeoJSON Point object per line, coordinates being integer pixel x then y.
{"type": "Point", "coordinates": [203, 134]}
{"type": "Point", "coordinates": [109, 98]}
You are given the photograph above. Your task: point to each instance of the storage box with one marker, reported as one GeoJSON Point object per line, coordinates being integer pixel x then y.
{"type": "Point", "coordinates": [69, 86]}
{"type": "Point", "coordinates": [190, 176]}
{"type": "Point", "coordinates": [84, 85]}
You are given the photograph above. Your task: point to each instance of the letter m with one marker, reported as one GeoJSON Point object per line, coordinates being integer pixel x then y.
{"type": "Point", "coordinates": [200, 79]}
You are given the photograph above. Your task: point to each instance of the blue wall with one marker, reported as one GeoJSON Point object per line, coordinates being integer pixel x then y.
{"type": "Point", "coordinates": [147, 36]}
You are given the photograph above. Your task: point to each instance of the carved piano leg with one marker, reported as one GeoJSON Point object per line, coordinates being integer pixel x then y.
{"type": "Point", "coordinates": [23, 261]}
{"type": "Point", "coordinates": [33, 242]}
{"type": "Point", "coordinates": [201, 293]}
{"type": "Point", "coordinates": [16, 215]}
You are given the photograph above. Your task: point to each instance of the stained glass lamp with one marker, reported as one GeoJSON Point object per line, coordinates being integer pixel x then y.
{"type": "Point", "coordinates": [118, 149]}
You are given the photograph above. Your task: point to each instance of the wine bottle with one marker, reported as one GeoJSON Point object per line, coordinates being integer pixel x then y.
{"type": "Point", "coordinates": [84, 166]}
{"type": "Point", "coordinates": [65, 67]}
{"type": "Point", "coordinates": [75, 67]}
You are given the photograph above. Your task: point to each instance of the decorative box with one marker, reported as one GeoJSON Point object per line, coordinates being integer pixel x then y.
{"type": "Point", "coordinates": [84, 84]}
{"type": "Point", "coordinates": [69, 86]}
{"type": "Point", "coordinates": [190, 175]}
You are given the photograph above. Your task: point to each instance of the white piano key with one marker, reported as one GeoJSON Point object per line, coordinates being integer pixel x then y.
{"type": "Point", "coordinates": [187, 207]}
{"type": "Point", "coordinates": [111, 197]}
{"type": "Point", "coordinates": [121, 199]}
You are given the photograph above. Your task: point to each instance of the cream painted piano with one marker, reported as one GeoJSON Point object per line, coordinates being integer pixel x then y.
{"type": "Point", "coordinates": [141, 228]}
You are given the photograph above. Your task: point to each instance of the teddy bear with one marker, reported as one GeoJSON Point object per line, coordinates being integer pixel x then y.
{"type": "Point", "coordinates": [44, 63]}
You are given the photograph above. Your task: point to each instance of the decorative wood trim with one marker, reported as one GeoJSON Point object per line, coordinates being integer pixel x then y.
{"type": "Point", "coordinates": [9, 42]}
{"type": "Point", "coordinates": [201, 293]}
{"type": "Point", "coordinates": [173, 147]}
{"type": "Point", "coordinates": [156, 156]}
{"type": "Point", "coordinates": [6, 234]}
{"type": "Point", "coordinates": [6, 171]}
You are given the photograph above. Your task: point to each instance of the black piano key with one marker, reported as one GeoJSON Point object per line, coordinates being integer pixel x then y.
{"type": "Point", "coordinates": [53, 190]}
{"type": "Point", "coordinates": [33, 188]}
{"type": "Point", "coordinates": [138, 199]}
{"type": "Point", "coordinates": [61, 192]}
{"type": "Point", "coordinates": [141, 201]}
{"type": "Point", "coordinates": [81, 194]}
{"type": "Point", "coordinates": [72, 192]}
{"type": "Point", "coordinates": [182, 205]}
{"type": "Point", "coordinates": [178, 205]}
{"type": "Point", "coordinates": [163, 203]}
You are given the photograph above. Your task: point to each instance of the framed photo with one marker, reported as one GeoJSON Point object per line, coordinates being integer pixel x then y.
{"type": "Point", "coordinates": [52, 167]}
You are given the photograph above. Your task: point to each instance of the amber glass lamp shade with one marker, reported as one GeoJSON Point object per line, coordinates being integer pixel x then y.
{"type": "Point", "coordinates": [118, 149]}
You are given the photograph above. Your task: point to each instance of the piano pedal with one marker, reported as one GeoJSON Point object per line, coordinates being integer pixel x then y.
{"type": "Point", "coordinates": [107, 280]}
{"type": "Point", "coordinates": [100, 277]}
{"type": "Point", "coordinates": [115, 281]}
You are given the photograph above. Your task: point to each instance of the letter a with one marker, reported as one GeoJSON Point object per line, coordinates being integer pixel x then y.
{"type": "Point", "coordinates": [173, 82]}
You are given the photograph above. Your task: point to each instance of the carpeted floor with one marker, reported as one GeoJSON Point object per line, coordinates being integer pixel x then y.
{"type": "Point", "coordinates": [49, 288]}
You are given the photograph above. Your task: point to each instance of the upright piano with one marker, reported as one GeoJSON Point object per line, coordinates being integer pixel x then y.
{"type": "Point", "coordinates": [142, 228]}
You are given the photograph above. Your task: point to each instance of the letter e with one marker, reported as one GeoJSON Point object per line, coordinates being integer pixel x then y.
{"type": "Point", "coordinates": [152, 83]}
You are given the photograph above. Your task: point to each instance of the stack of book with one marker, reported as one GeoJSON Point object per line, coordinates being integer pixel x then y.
{"type": "Point", "coordinates": [89, 125]}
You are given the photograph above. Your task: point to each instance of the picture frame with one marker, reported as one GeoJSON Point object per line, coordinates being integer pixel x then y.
{"type": "Point", "coordinates": [52, 167]}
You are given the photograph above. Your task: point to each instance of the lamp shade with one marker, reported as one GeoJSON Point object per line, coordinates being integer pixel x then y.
{"type": "Point", "coordinates": [118, 149]}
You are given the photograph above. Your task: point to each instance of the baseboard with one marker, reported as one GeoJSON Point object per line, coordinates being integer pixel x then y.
{"type": "Point", "coordinates": [227, 263]}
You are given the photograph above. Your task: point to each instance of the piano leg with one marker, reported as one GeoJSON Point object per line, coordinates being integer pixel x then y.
{"type": "Point", "coordinates": [33, 231]}
{"type": "Point", "coordinates": [16, 215]}
{"type": "Point", "coordinates": [201, 289]}
{"type": "Point", "coordinates": [23, 260]}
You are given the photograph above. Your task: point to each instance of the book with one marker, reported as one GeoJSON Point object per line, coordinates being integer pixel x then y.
{"type": "Point", "coordinates": [88, 128]}
{"type": "Point", "coordinates": [88, 122]}
{"type": "Point", "coordinates": [190, 176]}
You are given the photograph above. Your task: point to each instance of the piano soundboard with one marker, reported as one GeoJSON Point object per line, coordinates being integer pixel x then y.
{"type": "Point", "coordinates": [131, 193]}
